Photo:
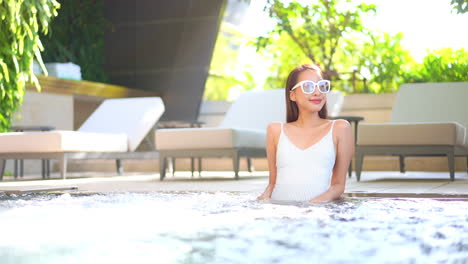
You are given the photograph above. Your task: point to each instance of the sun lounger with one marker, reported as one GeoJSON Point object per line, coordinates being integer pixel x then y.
{"type": "Point", "coordinates": [242, 132]}
{"type": "Point", "coordinates": [113, 131]}
{"type": "Point", "coordinates": [428, 119]}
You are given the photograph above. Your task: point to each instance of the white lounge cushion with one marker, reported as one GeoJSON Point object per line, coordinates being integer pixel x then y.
{"type": "Point", "coordinates": [134, 117]}
{"type": "Point", "coordinates": [256, 109]}
{"type": "Point", "coordinates": [432, 102]}
{"type": "Point", "coordinates": [428, 133]}
{"type": "Point", "coordinates": [209, 138]}
{"type": "Point", "coordinates": [61, 141]}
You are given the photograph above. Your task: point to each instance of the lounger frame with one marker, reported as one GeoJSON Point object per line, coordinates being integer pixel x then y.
{"type": "Point", "coordinates": [63, 157]}
{"type": "Point", "coordinates": [234, 153]}
{"type": "Point", "coordinates": [404, 151]}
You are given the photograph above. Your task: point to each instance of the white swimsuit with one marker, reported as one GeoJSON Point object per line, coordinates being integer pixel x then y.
{"type": "Point", "coordinates": [303, 174]}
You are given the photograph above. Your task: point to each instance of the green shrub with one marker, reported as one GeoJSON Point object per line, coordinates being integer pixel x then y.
{"type": "Point", "coordinates": [77, 35]}
{"type": "Point", "coordinates": [443, 65]}
{"type": "Point", "coordinates": [20, 24]}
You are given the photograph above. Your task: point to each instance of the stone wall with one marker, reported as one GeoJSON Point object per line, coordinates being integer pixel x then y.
{"type": "Point", "coordinates": [43, 109]}
{"type": "Point", "coordinates": [46, 109]}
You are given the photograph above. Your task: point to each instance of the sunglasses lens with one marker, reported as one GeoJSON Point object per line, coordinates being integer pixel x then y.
{"type": "Point", "coordinates": [324, 86]}
{"type": "Point", "coordinates": [308, 87]}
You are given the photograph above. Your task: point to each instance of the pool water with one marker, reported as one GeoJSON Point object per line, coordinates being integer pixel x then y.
{"type": "Point", "coordinates": [194, 227]}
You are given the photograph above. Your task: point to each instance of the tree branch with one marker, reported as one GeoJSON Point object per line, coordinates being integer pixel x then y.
{"type": "Point", "coordinates": [305, 48]}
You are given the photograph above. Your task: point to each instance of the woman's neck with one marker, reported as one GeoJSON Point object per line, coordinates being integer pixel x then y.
{"type": "Point", "coordinates": [308, 120]}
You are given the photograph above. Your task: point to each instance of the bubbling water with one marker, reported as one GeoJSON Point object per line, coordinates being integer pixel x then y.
{"type": "Point", "coordinates": [197, 227]}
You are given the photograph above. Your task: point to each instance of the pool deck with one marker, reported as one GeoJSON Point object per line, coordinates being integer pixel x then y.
{"type": "Point", "coordinates": [373, 184]}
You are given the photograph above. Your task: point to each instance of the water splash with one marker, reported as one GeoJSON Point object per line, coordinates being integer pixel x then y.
{"type": "Point", "coordinates": [197, 227]}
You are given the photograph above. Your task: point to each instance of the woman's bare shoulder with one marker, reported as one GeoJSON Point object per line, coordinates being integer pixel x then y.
{"type": "Point", "coordinates": [342, 124]}
{"type": "Point", "coordinates": [342, 127]}
{"type": "Point", "coordinates": [274, 128]}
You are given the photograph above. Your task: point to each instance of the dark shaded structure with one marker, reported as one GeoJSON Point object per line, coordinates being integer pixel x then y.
{"type": "Point", "coordinates": [165, 47]}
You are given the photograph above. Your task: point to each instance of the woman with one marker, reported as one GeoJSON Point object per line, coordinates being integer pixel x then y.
{"type": "Point", "coordinates": [308, 157]}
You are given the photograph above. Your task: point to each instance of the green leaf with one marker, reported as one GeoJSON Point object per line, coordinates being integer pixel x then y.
{"type": "Point", "coordinates": [5, 70]}
{"type": "Point", "coordinates": [15, 64]}
{"type": "Point", "coordinates": [19, 44]}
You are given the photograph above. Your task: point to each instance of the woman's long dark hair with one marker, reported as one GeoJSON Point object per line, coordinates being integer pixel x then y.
{"type": "Point", "coordinates": [292, 111]}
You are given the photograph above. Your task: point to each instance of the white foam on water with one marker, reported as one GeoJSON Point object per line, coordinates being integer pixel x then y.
{"type": "Point", "coordinates": [223, 227]}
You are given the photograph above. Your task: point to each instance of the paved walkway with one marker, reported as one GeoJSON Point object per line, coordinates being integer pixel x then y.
{"type": "Point", "coordinates": [376, 184]}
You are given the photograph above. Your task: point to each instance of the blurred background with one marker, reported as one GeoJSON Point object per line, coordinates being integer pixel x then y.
{"type": "Point", "coordinates": [199, 55]}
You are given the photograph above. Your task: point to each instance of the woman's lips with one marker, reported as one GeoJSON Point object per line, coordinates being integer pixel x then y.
{"type": "Point", "coordinates": [316, 101]}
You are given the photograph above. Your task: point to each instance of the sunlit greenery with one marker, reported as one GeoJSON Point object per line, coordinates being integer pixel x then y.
{"type": "Point", "coordinates": [460, 6]}
{"type": "Point", "coordinates": [443, 65]}
{"type": "Point", "coordinates": [319, 30]}
{"type": "Point", "coordinates": [330, 33]}
{"type": "Point", "coordinates": [226, 75]}
{"type": "Point", "coordinates": [284, 55]}
{"type": "Point", "coordinates": [383, 61]}
{"type": "Point", "coordinates": [20, 24]}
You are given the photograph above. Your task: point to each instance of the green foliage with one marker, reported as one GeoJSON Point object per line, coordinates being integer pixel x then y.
{"type": "Point", "coordinates": [330, 33]}
{"type": "Point", "coordinates": [223, 61]}
{"type": "Point", "coordinates": [225, 72]}
{"type": "Point", "coordinates": [217, 87]}
{"type": "Point", "coordinates": [20, 24]}
{"type": "Point", "coordinates": [285, 55]}
{"type": "Point", "coordinates": [460, 6]}
{"type": "Point", "coordinates": [384, 60]}
{"type": "Point", "coordinates": [443, 65]}
{"type": "Point", "coordinates": [77, 35]}
{"type": "Point", "coordinates": [317, 29]}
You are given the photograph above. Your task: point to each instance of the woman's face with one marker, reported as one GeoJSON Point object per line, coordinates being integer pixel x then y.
{"type": "Point", "coordinates": [309, 102]}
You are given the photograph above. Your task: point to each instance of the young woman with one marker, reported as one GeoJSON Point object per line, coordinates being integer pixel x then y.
{"type": "Point", "coordinates": [308, 157]}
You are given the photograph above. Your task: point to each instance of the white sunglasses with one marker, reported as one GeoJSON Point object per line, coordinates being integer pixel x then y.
{"type": "Point", "coordinates": [308, 86]}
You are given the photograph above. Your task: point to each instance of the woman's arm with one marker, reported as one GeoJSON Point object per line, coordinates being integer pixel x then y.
{"type": "Point", "coordinates": [271, 141]}
{"type": "Point", "coordinates": [344, 154]}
